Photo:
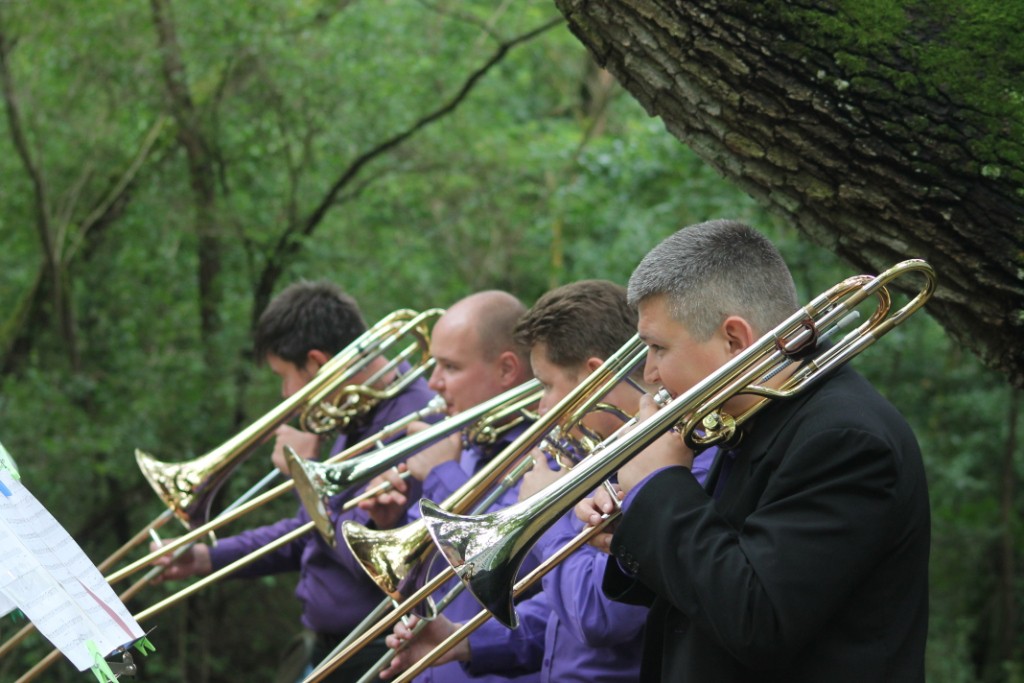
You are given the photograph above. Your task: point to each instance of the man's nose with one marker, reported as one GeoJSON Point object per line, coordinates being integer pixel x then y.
{"type": "Point", "coordinates": [651, 370]}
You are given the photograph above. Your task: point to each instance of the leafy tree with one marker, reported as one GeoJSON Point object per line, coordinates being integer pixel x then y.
{"type": "Point", "coordinates": [167, 167]}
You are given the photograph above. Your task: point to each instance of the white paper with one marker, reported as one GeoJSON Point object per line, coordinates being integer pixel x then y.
{"type": "Point", "coordinates": [7, 462]}
{"type": "Point", "coordinates": [46, 575]}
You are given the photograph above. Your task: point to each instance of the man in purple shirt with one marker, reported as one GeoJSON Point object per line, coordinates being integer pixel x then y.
{"type": "Point", "coordinates": [569, 631]}
{"type": "Point", "coordinates": [298, 332]}
{"type": "Point", "coordinates": [477, 358]}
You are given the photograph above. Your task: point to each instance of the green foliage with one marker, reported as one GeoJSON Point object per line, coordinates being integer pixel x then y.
{"type": "Point", "coordinates": [526, 185]}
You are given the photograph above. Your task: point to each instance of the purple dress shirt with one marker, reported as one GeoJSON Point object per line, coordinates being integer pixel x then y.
{"type": "Point", "coordinates": [570, 631]}
{"type": "Point", "coordinates": [440, 483]}
{"type": "Point", "coordinates": [336, 594]}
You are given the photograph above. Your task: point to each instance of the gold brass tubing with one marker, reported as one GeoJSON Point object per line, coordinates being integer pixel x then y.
{"type": "Point", "coordinates": [174, 543]}
{"type": "Point", "coordinates": [185, 592]}
{"type": "Point", "coordinates": [520, 587]}
{"type": "Point", "coordinates": [13, 641]}
{"type": "Point", "coordinates": [265, 497]}
{"type": "Point", "coordinates": [507, 481]}
{"type": "Point", "coordinates": [377, 490]}
{"type": "Point", "coordinates": [411, 543]}
{"type": "Point", "coordinates": [494, 545]}
{"type": "Point", "coordinates": [40, 666]}
{"type": "Point", "coordinates": [113, 558]}
{"type": "Point", "coordinates": [224, 571]}
{"type": "Point", "coordinates": [326, 667]}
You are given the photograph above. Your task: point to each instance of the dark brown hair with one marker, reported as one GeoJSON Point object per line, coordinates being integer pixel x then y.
{"type": "Point", "coordinates": [306, 316]}
{"type": "Point", "coordinates": [581, 320]}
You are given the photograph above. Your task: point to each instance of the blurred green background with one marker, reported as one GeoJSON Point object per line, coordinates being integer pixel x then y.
{"type": "Point", "coordinates": [165, 169]}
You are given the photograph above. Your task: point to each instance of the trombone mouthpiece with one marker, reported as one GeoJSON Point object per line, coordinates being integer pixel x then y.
{"type": "Point", "coordinates": [436, 406]}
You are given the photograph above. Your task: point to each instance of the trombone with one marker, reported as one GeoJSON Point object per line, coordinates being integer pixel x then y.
{"type": "Point", "coordinates": [482, 421]}
{"type": "Point", "coordinates": [391, 557]}
{"type": "Point", "coordinates": [325, 404]}
{"type": "Point", "coordinates": [483, 424]}
{"type": "Point", "coordinates": [559, 446]}
{"type": "Point", "coordinates": [487, 551]}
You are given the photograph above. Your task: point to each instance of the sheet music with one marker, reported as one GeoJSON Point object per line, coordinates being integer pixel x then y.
{"type": "Point", "coordinates": [46, 574]}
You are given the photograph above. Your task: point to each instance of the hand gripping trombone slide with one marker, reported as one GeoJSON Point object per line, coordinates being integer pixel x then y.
{"type": "Point", "coordinates": [477, 420]}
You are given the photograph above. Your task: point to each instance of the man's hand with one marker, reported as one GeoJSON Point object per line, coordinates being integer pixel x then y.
{"type": "Point", "coordinates": [413, 649]}
{"type": "Point", "coordinates": [539, 477]}
{"type": "Point", "coordinates": [387, 509]}
{"type": "Point", "coordinates": [305, 445]}
{"type": "Point", "coordinates": [666, 451]}
{"type": "Point", "coordinates": [443, 451]}
{"type": "Point", "coordinates": [193, 562]}
{"type": "Point", "coordinates": [591, 511]}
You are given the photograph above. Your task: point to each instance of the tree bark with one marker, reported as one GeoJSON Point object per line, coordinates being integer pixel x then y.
{"type": "Point", "coordinates": [864, 150]}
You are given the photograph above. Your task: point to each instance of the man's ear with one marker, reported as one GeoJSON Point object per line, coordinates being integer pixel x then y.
{"type": "Point", "coordinates": [737, 334]}
{"type": "Point", "coordinates": [593, 363]}
{"type": "Point", "coordinates": [317, 357]}
{"type": "Point", "coordinates": [510, 369]}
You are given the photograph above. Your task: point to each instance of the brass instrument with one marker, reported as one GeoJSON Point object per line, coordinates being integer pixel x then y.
{"type": "Point", "coordinates": [180, 544]}
{"type": "Point", "coordinates": [388, 556]}
{"type": "Point", "coordinates": [391, 557]}
{"type": "Point", "coordinates": [487, 551]}
{"type": "Point", "coordinates": [483, 615]}
{"type": "Point", "coordinates": [483, 424]}
{"type": "Point", "coordinates": [187, 488]}
{"type": "Point", "coordinates": [397, 450]}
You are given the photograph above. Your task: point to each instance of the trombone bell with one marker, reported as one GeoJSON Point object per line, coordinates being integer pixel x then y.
{"type": "Point", "coordinates": [389, 556]}
{"type": "Point", "coordinates": [485, 551]}
{"type": "Point", "coordinates": [186, 488]}
{"type": "Point", "coordinates": [313, 490]}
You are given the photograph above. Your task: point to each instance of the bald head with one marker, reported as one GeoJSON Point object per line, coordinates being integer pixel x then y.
{"type": "Point", "coordinates": [476, 351]}
{"type": "Point", "coordinates": [491, 316]}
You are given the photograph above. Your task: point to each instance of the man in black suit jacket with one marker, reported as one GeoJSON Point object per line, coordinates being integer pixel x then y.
{"type": "Point", "coordinates": [808, 562]}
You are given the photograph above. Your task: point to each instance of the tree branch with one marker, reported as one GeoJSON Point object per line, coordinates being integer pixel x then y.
{"type": "Point", "coordinates": [288, 243]}
{"type": "Point", "coordinates": [21, 144]}
{"type": "Point", "coordinates": [51, 249]}
{"type": "Point", "coordinates": [104, 208]}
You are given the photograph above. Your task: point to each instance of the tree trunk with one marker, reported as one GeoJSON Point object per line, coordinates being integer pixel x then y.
{"type": "Point", "coordinates": [53, 265]}
{"type": "Point", "coordinates": [202, 178]}
{"type": "Point", "coordinates": [1006, 636]}
{"type": "Point", "coordinates": [872, 135]}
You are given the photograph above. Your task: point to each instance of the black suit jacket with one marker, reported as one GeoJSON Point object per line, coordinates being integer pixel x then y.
{"type": "Point", "coordinates": [811, 566]}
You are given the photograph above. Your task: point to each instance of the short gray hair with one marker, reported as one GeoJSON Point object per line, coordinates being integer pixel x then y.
{"type": "Point", "coordinates": [713, 270]}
